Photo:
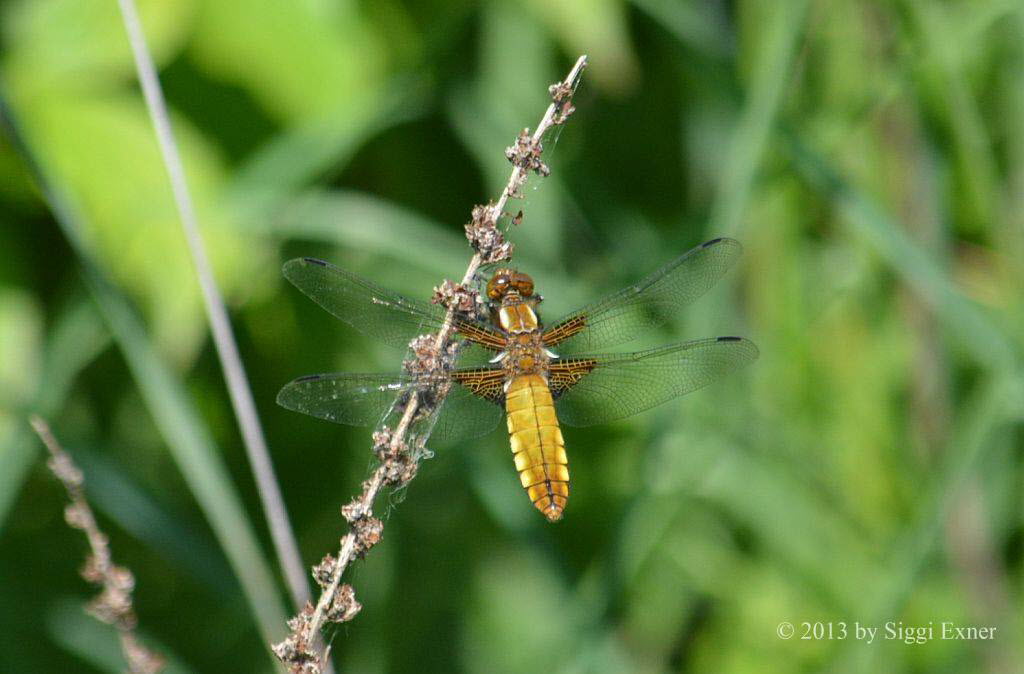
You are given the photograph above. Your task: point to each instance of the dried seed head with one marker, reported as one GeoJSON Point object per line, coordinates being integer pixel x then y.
{"type": "Point", "coordinates": [343, 606]}
{"type": "Point", "coordinates": [386, 450]}
{"type": "Point", "coordinates": [484, 236]}
{"type": "Point", "coordinates": [76, 516]}
{"type": "Point", "coordinates": [299, 623]}
{"type": "Point", "coordinates": [296, 653]}
{"type": "Point", "coordinates": [66, 471]}
{"type": "Point", "coordinates": [93, 569]}
{"type": "Point", "coordinates": [141, 659]}
{"type": "Point", "coordinates": [121, 578]}
{"type": "Point", "coordinates": [526, 155]}
{"type": "Point", "coordinates": [323, 573]}
{"type": "Point", "coordinates": [113, 607]}
{"type": "Point", "coordinates": [483, 215]}
{"type": "Point", "coordinates": [355, 510]}
{"type": "Point", "coordinates": [381, 438]}
{"type": "Point", "coordinates": [425, 356]}
{"type": "Point", "coordinates": [456, 296]}
{"type": "Point", "coordinates": [399, 470]}
{"type": "Point", "coordinates": [562, 113]}
{"type": "Point", "coordinates": [560, 91]}
{"type": "Point", "coordinates": [368, 532]}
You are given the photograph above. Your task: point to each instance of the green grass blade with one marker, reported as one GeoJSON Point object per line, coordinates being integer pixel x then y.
{"type": "Point", "coordinates": [77, 339]}
{"type": "Point", "coordinates": [368, 223]}
{"type": "Point", "coordinates": [193, 450]}
{"type": "Point", "coordinates": [772, 72]}
{"type": "Point", "coordinates": [691, 23]}
{"type": "Point", "coordinates": [976, 331]}
{"type": "Point", "coordinates": [176, 418]}
{"type": "Point", "coordinates": [166, 530]}
{"type": "Point", "coordinates": [296, 157]}
{"type": "Point", "coordinates": [981, 416]}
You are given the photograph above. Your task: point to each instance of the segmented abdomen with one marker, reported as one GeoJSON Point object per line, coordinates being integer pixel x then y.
{"type": "Point", "coordinates": [537, 444]}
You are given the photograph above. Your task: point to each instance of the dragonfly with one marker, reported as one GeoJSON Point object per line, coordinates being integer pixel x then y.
{"type": "Point", "coordinates": [539, 376]}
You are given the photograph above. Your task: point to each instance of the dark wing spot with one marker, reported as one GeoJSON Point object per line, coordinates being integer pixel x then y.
{"type": "Point", "coordinates": [730, 339]}
{"type": "Point", "coordinates": [309, 377]}
{"type": "Point", "coordinates": [711, 242]}
{"type": "Point", "coordinates": [313, 260]}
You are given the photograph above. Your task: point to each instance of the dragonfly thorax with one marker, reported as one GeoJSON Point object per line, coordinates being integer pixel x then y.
{"type": "Point", "coordinates": [526, 355]}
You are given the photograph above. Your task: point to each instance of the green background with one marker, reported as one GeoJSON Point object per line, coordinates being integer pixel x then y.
{"type": "Point", "coordinates": [868, 468]}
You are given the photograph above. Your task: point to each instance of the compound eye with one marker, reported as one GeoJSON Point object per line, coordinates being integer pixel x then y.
{"type": "Point", "coordinates": [523, 283]}
{"type": "Point", "coordinates": [497, 287]}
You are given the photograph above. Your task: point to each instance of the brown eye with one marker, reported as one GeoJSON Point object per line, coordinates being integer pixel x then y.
{"type": "Point", "coordinates": [497, 286]}
{"type": "Point", "coordinates": [524, 284]}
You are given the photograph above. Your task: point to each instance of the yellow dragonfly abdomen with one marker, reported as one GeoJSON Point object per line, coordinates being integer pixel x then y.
{"type": "Point", "coordinates": [537, 444]}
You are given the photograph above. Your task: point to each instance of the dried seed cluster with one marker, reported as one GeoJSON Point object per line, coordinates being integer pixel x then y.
{"type": "Point", "coordinates": [525, 154]}
{"type": "Point", "coordinates": [485, 238]}
{"type": "Point", "coordinates": [298, 652]}
{"type": "Point", "coordinates": [397, 465]}
{"type": "Point", "coordinates": [457, 297]}
{"type": "Point", "coordinates": [561, 96]}
{"type": "Point", "coordinates": [113, 605]}
{"type": "Point", "coordinates": [425, 360]}
{"type": "Point", "coordinates": [323, 573]}
{"type": "Point", "coordinates": [368, 532]}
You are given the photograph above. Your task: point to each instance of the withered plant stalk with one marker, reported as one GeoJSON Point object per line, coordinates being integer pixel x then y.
{"type": "Point", "coordinates": [114, 603]}
{"type": "Point", "coordinates": [301, 651]}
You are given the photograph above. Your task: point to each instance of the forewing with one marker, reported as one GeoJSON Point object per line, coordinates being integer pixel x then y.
{"type": "Point", "coordinates": [377, 311]}
{"type": "Point", "coordinates": [595, 389]}
{"type": "Point", "coordinates": [647, 304]}
{"type": "Point", "coordinates": [366, 306]}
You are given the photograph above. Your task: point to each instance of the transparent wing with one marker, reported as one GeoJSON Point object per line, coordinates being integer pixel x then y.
{"type": "Point", "coordinates": [646, 304]}
{"type": "Point", "coordinates": [594, 389]}
{"type": "Point", "coordinates": [367, 307]}
{"type": "Point", "coordinates": [376, 311]}
{"type": "Point", "coordinates": [365, 399]}
{"type": "Point", "coordinates": [345, 397]}
{"type": "Point", "coordinates": [465, 416]}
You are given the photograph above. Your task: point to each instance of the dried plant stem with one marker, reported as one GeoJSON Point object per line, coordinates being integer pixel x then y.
{"type": "Point", "coordinates": [114, 603]}
{"type": "Point", "coordinates": [223, 337]}
{"type": "Point", "coordinates": [337, 603]}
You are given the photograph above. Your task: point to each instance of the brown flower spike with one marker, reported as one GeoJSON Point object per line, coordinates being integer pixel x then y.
{"type": "Point", "coordinates": [113, 605]}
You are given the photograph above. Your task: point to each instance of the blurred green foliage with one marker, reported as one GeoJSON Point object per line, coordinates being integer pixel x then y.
{"type": "Point", "coordinates": [868, 468]}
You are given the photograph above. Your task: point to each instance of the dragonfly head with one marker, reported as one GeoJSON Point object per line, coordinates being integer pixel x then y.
{"type": "Point", "coordinates": [507, 282]}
